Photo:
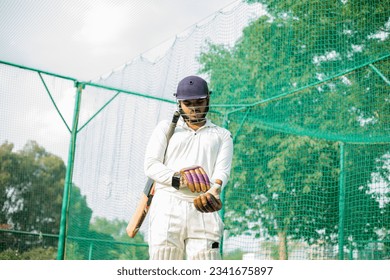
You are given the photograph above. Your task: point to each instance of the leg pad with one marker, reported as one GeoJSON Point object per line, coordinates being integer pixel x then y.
{"type": "Point", "coordinates": [167, 253]}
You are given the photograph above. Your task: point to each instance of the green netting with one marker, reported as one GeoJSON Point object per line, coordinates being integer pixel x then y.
{"type": "Point", "coordinates": [303, 87]}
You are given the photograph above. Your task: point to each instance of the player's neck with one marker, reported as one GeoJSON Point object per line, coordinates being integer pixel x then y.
{"type": "Point", "coordinates": [197, 125]}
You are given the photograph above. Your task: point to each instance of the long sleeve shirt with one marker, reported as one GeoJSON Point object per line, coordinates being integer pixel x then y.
{"type": "Point", "coordinates": [210, 146]}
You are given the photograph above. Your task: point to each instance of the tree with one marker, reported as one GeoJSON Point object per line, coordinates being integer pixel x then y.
{"type": "Point", "coordinates": [8, 165]}
{"type": "Point", "coordinates": [294, 179]}
{"type": "Point", "coordinates": [33, 254]}
{"type": "Point", "coordinates": [126, 249]}
{"type": "Point", "coordinates": [31, 188]}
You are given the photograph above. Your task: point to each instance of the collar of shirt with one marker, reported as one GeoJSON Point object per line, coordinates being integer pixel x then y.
{"type": "Point", "coordinates": [184, 125]}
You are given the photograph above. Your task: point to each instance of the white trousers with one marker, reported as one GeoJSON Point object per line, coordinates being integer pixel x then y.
{"type": "Point", "coordinates": [178, 231]}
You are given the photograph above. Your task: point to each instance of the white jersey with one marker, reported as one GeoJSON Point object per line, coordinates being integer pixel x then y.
{"type": "Point", "coordinates": [210, 146]}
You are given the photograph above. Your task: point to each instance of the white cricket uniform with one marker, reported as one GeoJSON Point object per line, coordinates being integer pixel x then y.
{"type": "Point", "coordinates": [177, 229]}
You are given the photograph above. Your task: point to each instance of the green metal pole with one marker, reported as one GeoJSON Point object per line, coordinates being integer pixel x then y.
{"type": "Point", "coordinates": [341, 201]}
{"type": "Point", "coordinates": [90, 251]}
{"type": "Point", "coordinates": [376, 70]}
{"type": "Point", "coordinates": [69, 174]}
{"type": "Point", "coordinates": [222, 212]}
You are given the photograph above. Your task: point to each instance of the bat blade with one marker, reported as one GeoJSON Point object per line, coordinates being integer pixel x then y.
{"type": "Point", "coordinates": [146, 198]}
{"type": "Point", "coordinates": [140, 213]}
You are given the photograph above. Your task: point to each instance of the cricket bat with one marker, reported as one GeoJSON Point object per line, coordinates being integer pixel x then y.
{"type": "Point", "coordinates": [142, 209]}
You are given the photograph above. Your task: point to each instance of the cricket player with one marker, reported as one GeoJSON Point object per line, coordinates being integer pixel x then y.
{"type": "Point", "coordinates": [189, 173]}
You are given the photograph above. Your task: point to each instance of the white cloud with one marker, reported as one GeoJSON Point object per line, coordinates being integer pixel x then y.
{"type": "Point", "coordinates": [103, 25]}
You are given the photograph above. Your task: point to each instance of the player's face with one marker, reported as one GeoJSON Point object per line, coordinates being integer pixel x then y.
{"type": "Point", "coordinates": [195, 109]}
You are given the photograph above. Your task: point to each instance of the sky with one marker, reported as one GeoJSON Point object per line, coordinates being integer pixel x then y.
{"type": "Point", "coordinates": [81, 39]}
{"type": "Point", "coordinates": [86, 39]}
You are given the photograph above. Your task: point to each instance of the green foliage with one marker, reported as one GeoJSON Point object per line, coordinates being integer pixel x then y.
{"type": "Point", "coordinates": [106, 240]}
{"type": "Point", "coordinates": [10, 254]}
{"type": "Point", "coordinates": [234, 255]}
{"type": "Point", "coordinates": [128, 249]}
{"type": "Point", "coordinates": [79, 214]}
{"type": "Point", "coordinates": [31, 189]}
{"type": "Point", "coordinates": [40, 254]}
{"type": "Point", "coordinates": [49, 253]}
{"type": "Point", "coordinates": [31, 183]}
{"type": "Point", "coordinates": [73, 251]}
{"type": "Point", "coordinates": [37, 171]}
{"type": "Point", "coordinates": [287, 68]}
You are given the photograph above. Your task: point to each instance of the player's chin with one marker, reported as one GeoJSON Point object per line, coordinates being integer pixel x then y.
{"type": "Point", "coordinates": [197, 117]}
{"type": "Point", "coordinates": [195, 120]}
